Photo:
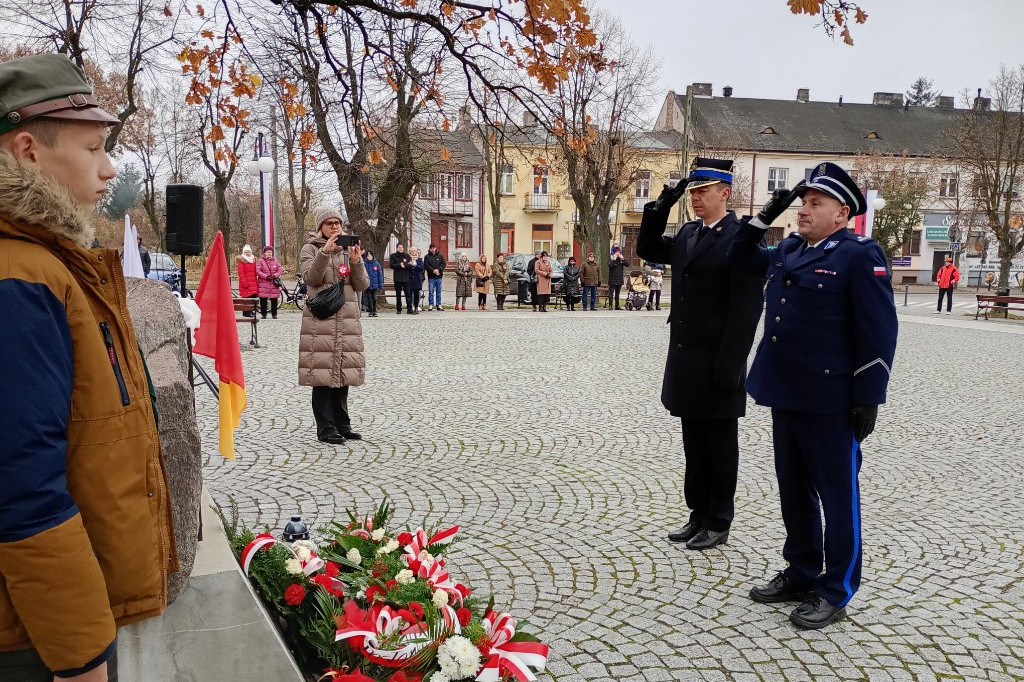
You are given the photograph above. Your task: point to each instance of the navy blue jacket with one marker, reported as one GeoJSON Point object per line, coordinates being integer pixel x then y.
{"type": "Point", "coordinates": [416, 274]}
{"type": "Point", "coordinates": [376, 273]}
{"type": "Point", "coordinates": [830, 322]}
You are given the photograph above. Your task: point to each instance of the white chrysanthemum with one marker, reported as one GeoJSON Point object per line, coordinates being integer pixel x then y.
{"type": "Point", "coordinates": [377, 535]}
{"type": "Point", "coordinates": [425, 557]}
{"type": "Point", "coordinates": [458, 657]}
{"type": "Point", "coordinates": [440, 598]}
{"type": "Point", "coordinates": [293, 566]}
{"type": "Point", "coordinates": [405, 577]}
{"type": "Point", "coordinates": [304, 543]}
{"type": "Point", "coordinates": [361, 594]}
{"type": "Point", "coordinates": [440, 676]}
{"type": "Point", "coordinates": [388, 547]}
{"type": "Point", "coordinates": [354, 556]}
{"type": "Point", "coordinates": [303, 553]}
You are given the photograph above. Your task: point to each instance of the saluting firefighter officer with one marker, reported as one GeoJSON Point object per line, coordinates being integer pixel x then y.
{"type": "Point", "coordinates": [823, 367]}
{"type": "Point", "coordinates": [713, 318]}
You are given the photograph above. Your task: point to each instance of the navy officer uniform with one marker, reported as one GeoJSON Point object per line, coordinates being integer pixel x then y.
{"type": "Point", "coordinates": [713, 319]}
{"type": "Point", "coordinates": [822, 366]}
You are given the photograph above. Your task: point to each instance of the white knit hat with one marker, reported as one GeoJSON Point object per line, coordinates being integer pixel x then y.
{"type": "Point", "coordinates": [323, 213]}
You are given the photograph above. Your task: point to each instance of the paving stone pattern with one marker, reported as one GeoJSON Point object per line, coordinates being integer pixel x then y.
{"type": "Point", "coordinates": [543, 437]}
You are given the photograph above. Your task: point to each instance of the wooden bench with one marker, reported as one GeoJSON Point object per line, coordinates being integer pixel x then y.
{"type": "Point", "coordinates": [248, 305]}
{"type": "Point", "coordinates": [1004, 303]}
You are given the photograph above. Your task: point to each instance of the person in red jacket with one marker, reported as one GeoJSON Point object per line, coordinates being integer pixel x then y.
{"type": "Point", "coordinates": [247, 285]}
{"type": "Point", "coordinates": [948, 277]}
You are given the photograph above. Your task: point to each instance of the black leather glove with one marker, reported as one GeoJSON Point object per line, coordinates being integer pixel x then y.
{"type": "Point", "coordinates": [727, 381]}
{"type": "Point", "coordinates": [670, 195]}
{"type": "Point", "coordinates": [862, 419]}
{"type": "Point", "coordinates": [780, 201]}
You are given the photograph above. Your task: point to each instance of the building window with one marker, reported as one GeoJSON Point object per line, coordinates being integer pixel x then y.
{"type": "Point", "coordinates": [444, 186]}
{"type": "Point", "coordinates": [463, 235]}
{"type": "Point", "coordinates": [912, 247]}
{"type": "Point", "coordinates": [947, 185]}
{"type": "Point", "coordinates": [778, 178]}
{"type": "Point", "coordinates": [540, 179]}
{"type": "Point", "coordinates": [506, 185]}
{"type": "Point", "coordinates": [464, 187]}
{"type": "Point", "coordinates": [674, 177]}
{"type": "Point", "coordinates": [642, 188]}
{"type": "Point", "coordinates": [542, 238]}
{"type": "Point", "coordinates": [428, 188]}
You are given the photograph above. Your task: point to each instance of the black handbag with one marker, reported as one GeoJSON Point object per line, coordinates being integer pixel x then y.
{"type": "Point", "coordinates": [480, 281]}
{"type": "Point", "coordinates": [277, 282]}
{"type": "Point", "coordinates": [327, 301]}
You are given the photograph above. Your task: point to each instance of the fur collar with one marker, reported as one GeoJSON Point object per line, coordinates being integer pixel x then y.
{"type": "Point", "coordinates": [30, 199]}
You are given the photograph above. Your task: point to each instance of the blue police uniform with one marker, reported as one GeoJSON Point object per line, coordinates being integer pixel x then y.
{"type": "Point", "coordinates": [829, 340]}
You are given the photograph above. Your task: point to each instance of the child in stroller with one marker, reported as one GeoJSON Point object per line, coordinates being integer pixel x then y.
{"type": "Point", "coordinates": [637, 291]}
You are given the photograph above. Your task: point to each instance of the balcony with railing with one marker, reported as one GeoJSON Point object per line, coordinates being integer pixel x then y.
{"type": "Point", "coordinates": [542, 202]}
{"type": "Point", "coordinates": [636, 205]}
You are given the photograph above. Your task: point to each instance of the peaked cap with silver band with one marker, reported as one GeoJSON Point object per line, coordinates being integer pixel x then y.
{"type": "Point", "coordinates": [829, 178]}
{"type": "Point", "coordinates": [704, 171]}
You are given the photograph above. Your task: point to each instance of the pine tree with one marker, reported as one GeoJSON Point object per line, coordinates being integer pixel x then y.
{"type": "Point", "coordinates": [921, 94]}
{"type": "Point", "coordinates": [123, 193]}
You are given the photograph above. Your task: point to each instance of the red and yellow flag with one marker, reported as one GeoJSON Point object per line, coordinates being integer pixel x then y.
{"type": "Point", "coordinates": [217, 338]}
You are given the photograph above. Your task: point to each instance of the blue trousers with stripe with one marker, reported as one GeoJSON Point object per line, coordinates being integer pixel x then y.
{"type": "Point", "coordinates": [817, 460]}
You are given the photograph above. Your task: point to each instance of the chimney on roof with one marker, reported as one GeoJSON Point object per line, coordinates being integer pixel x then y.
{"type": "Point", "coordinates": [529, 119]}
{"type": "Point", "coordinates": [727, 91]}
{"type": "Point", "coordinates": [840, 100]}
{"type": "Point", "coordinates": [803, 95]}
{"type": "Point", "coordinates": [888, 99]}
{"type": "Point", "coordinates": [670, 110]}
{"type": "Point", "coordinates": [944, 102]}
{"type": "Point", "coordinates": [464, 120]}
{"type": "Point", "coordinates": [702, 89]}
{"type": "Point", "coordinates": [982, 103]}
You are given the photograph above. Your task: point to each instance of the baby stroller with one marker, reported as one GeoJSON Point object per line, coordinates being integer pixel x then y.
{"type": "Point", "coordinates": [637, 291]}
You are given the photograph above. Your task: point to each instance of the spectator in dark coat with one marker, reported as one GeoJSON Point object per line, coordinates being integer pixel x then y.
{"type": "Point", "coordinates": [400, 267]}
{"type": "Point", "coordinates": [415, 279]}
{"type": "Point", "coordinates": [375, 271]}
{"type": "Point", "coordinates": [590, 275]}
{"type": "Point", "coordinates": [434, 265]}
{"type": "Point", "coordinates": [616, 276]}
{"type": "Point", "coordinates": [144, 256]}
{"type": "Point", "coordinates": [531, 272]}
{"type": "Point", "coordinates": [571, 283]}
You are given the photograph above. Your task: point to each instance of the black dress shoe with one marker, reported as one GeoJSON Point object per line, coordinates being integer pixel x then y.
{"type": "Point", "coordinates": [351, 435]}
{"type": "Point", "coordinates": [781, 588]}
{"type": "Point", "coordinates": [706, 539]}
{"type": "Point", "coordinates": [332, 438]}
{"type": "Point", "coordinates": [685, 533]}
{"type": "Point", "coordinates": [815, 613]}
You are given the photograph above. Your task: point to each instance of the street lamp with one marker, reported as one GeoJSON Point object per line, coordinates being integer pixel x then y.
{"type": "Point", "coordinates": [878, 203]}
{"type": "Point", "coordinates": [261, 164]}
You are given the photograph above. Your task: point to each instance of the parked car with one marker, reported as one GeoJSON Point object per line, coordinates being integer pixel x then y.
{"type": "Point", "coordinates": [161, 266]}
{"type": "Point", "coordinates": [517, 263]}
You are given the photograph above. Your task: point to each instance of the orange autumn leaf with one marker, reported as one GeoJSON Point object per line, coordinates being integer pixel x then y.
{"type": "Point", "coordinates": [847, 38]}
{"type": "Point", "coordinates": [167, 11]}
{"type": "Point", "coordinates": [200, 10]}
{"type": "Point", "coordinates": [804, 6]}
{"type": "Point", "coordinates": [861, 16]}
{"type": "Point", "coordinates": [375, 156]}
{"type": "Point", "coordinates": [445, 154]}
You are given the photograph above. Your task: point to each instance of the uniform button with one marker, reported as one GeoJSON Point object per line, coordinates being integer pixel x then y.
{"type": "Point", "coordinates": [778, 319]}
{"type": "Point", "coordinates": [149, 494]}
{"type": "Point", "coordinates": [103, 280]}
{"type": "Point", "coordinates": [774, 339]}
{"type": "Point", "coordinates": [783, 301]}
{"type": "Point", "coordinates": [826, 372]}
{"type": "Point", "coordinates": [679, 345]}
{"type": "Point", "coordinates": [788, 282]}
{"type": "Point", "coordinates": [820, 286]}
{"type": "Point", "coordinates": [99, 258]}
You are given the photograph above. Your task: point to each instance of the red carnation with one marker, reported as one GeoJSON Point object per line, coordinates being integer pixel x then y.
{"type": "Point", "coordinates": [378, 569]}
{"type": "Point", "coordinates": [391, 584]}
{"type": "Point", "coordinates": [404, 538]}
{"type": "Point", "coordinates": [463, 590]}
{"type": "Point", "coordinates": [372, 591]}
{"type": "Point", "coordinates": [464, 615]}
{"type": "Point", "coordinates": [416, 608]}
{"type": "Point", "coordinates": [406, 615]}
{"type": "Point", "coordinates": [294, 595]}
{"type": "Point", "coordinates": [331, 570]}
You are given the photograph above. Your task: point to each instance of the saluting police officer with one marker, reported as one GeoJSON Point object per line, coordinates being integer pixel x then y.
{"type": "Point", "coordinates": [823, 366]}
{"type": "Point", "coordinates": [713, 318]}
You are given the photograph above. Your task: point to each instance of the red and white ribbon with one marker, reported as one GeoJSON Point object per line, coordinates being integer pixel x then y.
{"type": "Point", "coordinates": [265, 540]}
{"type": "Point", "coordinates": [438, 578]}
{"type": "Point", "coordinates": [507, 657]}
{"type": "Point", "coordinates": [386, 624]}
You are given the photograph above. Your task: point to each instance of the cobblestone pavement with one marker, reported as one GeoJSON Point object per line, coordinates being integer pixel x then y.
{"type": "Point", "coordinates": [543, 437]}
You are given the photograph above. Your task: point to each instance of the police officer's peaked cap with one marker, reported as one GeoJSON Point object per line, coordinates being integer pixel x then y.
{"type": "Point", "coordinates": [704, 171]}
{"type": "Point", "coordinates": [829, 178]}
{"type": "Point", "coordinates": [46, 86]}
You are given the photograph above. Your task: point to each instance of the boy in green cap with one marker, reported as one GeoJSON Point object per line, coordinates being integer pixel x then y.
{"type": "Point", "coordinates": [85, 533]}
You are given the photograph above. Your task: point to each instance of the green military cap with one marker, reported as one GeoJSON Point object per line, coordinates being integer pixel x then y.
{"type": "Point", "coordinates": [46, 85]}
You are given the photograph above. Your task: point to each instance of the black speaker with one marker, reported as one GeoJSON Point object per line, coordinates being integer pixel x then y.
{"type": "Point", "coordinates": [185, 219]}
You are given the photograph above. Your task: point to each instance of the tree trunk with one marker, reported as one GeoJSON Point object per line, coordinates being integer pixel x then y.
{"type": "Point", "coordinates": [220, 192]}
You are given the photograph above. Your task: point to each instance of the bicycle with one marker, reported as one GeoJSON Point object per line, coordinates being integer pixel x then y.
{"type": "Point", "coordinates": [297, 295]}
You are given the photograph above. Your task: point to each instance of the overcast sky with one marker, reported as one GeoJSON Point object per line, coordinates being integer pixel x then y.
{"type": "Point", "coordinates": [762, 50]}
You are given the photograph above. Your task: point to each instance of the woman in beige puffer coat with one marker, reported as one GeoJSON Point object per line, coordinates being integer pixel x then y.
{"type": "Point", "coordinates": [331, 350]}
